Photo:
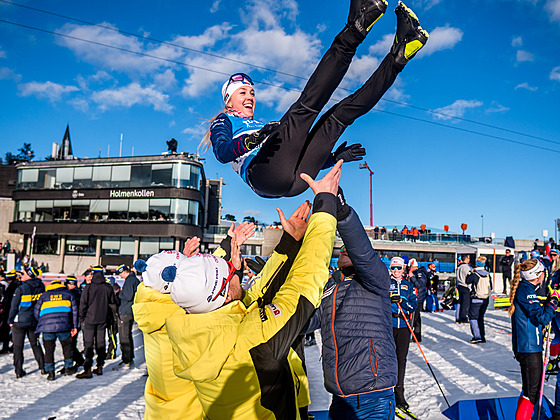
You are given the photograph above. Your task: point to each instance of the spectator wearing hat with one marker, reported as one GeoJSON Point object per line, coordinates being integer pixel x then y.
{"type": "Point", "coordinates": [418, 276]}
{"type": "Point", "coordinates": [126, 318]}
{"type": "Point", "coordinates": [506, 263]}
{"type": "Point", "coordinates": [433, 279]}
{"type": "Point", "coordinates": [57, 314]}
{"type": "Point", "coordinates": [238, 351]}
{"type": "Point", "coordinates": [11, 285]}
{"type": "Point", "coordinates": [464, 290]}
{"type": "Point", "coordinates": [96, 303]}
{"type": "Point", "coordinates": [403, 305]}
{"type": "Point", "coordinates": [72, 286]}
{"type": "Point", "coordinates": [22, 319]}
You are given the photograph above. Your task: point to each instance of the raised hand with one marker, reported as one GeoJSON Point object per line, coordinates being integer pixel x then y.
{"type": "Point", "coordinates": [329, 183]}
{"type": "Point", "coordinates": [236, 258]}
{"type": "Point", "coordinates": [296, 225]}
{"type": "Point", "coordinates": [349, 153]}
{"type": "Point", "coordinates": [192, 246]}
{"type": "Point", "coordinates": [243, 232]}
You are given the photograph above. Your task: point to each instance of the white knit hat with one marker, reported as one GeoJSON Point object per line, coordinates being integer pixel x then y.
{"type": "Point", "coordinates": [160, 270]}
{"type": "Point", "coordinates": [397, 261]}
{"type": "Point", "coordinates": [202, 283]}
{"type": "Point", "coordinates": [233, 83]}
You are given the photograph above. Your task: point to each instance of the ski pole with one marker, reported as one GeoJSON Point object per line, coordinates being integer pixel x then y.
{"type": "Point", "coordinates": [547, 349]}
{"type": "Point", "coordinates": [423, 355]}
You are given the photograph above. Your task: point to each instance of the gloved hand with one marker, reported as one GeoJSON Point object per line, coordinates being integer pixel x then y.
{"type": "Point", "coordinates": [342, 209]}
{"type": "Point", "coordinates": [554, 297]}
{"type": "Point", "coordinates": [256, 138]}
{"type": "Point", "coordinates": [396, 299]}
{"type": "Point", "coordinates": [349, 153]}
{"type": "Point", "coordinates": [255, 265]}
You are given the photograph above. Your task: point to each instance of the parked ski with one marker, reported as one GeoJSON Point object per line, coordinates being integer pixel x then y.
{"type": "Point", "coordinates": [407, 412]}
{"type": "Point", "coordinates": [400, 415]}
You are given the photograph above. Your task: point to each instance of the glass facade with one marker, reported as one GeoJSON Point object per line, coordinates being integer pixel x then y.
{"type": "Point", "coordinates": [171, 210]}
{"type": "Point", "coordinates": [175, 174]}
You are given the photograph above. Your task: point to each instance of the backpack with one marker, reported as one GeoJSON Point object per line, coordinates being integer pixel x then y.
{"type": "Point", "coordinates": [482, 289]}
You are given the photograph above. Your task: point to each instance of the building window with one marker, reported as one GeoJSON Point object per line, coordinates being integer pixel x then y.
{"type": "Point", "coordinates": [159, 209]}
{"type": "Point", "coordinates": [117, 245]}
{"type": "Point", "coordinates": [99, 210]}
{"type": "Point", "coordinates": [28, 178]}
{"type": "Point", "coordinates": [101, 177]}
{"type": "Point", "coordinates": [120, 176]}
{"type": "Point", "coordinates": [151, 246]}
{"type": "Point", "coordinates": [161, 174]}
{"type": "Point", "coordinates": [44, 211]}
{"type": "Point", "coordinates": [185, 211]}
{"type": "Point", "coordinates": [80, 210]}
{"type": "Point", "coordinates": [47, 178]}
{"type": "Point", "coordinates": [61, 210]}
{"type": "Point", "coordinates": [138, 209]}
{"type": "Point", "coordinates": [83, 177]}
{"type": "Point", "coordinates": [140, 175]}
{"type": "Point", "coordinates": [64, 178]}
{"type": "Point", "coordinates": [80, 245]}
{"type": "Point", "coordinates": [45, 244]}
{"type": "Point", "coordinates": [118, 209]}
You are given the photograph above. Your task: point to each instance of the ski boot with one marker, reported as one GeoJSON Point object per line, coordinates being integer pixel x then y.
{"type": "Point", "coordinates": [364, 13]}
{"type": "Point", "coordinates": [410, 36]}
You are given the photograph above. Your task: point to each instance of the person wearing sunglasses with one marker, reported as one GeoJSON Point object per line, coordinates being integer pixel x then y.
{"type": "Point", "coordinates": [270, 157]}
{"type": "Point", "coordinates": [236, 350]}
{"type": "Point", "coordinates": [528, 319]}
{"type": "Point", "coordinates": [402, 293]}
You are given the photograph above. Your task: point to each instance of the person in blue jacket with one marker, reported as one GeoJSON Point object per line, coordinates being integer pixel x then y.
{"type": "Point", "coordinates": [23, 322]}
{"type": "Point", "coordinates": [528, 318]}
{"type": "Point", "coordinates": [403, 305]}
{"type": "Point", "coordinates": [271, 157]}
{"type": "Point", "coordinates": [126, 318]}
{"type": "Point", "coordinates": [359, 358]}
{"type": "Point", "coordinates": [57, 314]}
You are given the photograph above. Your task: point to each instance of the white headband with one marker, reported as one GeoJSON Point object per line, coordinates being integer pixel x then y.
{"type": "Point", "coordinates": [534, 272]}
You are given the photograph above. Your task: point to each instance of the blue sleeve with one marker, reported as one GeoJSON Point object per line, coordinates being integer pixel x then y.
{"type": "Point", "coordinates": [314, 322]}
{"type": "Point", "coordinates": [15, 305]}
{"type": "Point", "coordinates": [371, 272]}
{"type": "Point", "coordinates": [225, 147]}
{"type": "Point", "coordinates": [537, 314]}
{"type": "Point", "coordinates": [74, 304]}
{"type": "Point", "coordinates": [127, 292]}
{"type": "Point", "coordinates": [410, 302]}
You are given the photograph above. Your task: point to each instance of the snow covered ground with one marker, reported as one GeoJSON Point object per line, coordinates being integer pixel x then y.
{"type": "Point", "coordinates": [464, 370]}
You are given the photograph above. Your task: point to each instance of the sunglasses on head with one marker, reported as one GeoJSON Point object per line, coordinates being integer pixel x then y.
{"type": "Point", "coordinates": [227, 280]}
{"type": "Point", "coordinates": [240, 77]}
{"type": "Point", "coordinates": [396, 268]}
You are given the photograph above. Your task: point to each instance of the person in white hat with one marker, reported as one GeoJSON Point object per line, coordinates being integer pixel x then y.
{"type": "Point", "coordinates": [236, 352]}
{"type": "Point", "coordinates": [269, 158]}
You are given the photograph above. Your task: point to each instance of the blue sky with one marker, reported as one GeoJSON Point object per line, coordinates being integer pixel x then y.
{"type": "Point", "coordinates": [496, 64]}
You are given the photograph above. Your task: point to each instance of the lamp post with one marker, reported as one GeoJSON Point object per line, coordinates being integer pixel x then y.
{"type": "Point", "coordinates": [365, 166]}
{"type": "Point", "coordinates": [482, 221]}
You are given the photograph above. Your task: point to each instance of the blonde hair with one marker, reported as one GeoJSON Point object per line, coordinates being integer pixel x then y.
{"type": "Point", "coordinates": [524, 266]}
{"type": "Point", "coordinates": [555, 266]}
{"type": "Point", "coordinates": [205, 142]}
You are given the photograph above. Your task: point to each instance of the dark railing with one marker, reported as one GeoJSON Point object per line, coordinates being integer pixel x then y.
{"type": "Point", "coordinates": [426, 237]}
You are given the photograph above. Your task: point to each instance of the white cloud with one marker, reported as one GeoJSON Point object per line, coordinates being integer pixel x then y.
{"type": "Point", "coordinates": [524, 56]}
{"type": "Point", "coordinates": [383, 46]}
{"type": "Point", "coordinates": [456, 109]}
{"type": "Point", "coordinates": [526, 86]}
{"type": "Point", "coordinates": [215, 6]}
{"type": "Point", "coordinates": [496, 108]}
{"type": "Point", "coordinates": [517, 41]}
{"type": "Point", "coordinates": [172, 124]}
{"type": "Point", "coordinates": [196, 132]}
{"type": "Point", "coordinates": [268, 13]}
{"type": "Point", "coordinates": [555, 74]}
{"type": "Point", "coordinates": [553, 8]}
{"type": "Point", "coordinates": [8, 74]}
{"type": "Point", "coordinates": [255, 213]}
{"type": "Point", "coordinates": [166, 80]}
{"type": "Point", "coordinates": [130, 95]}
{"type": "Point", "coordinates": [426, 4]}
{"type": "Point", "coordinates": [441, 38]}
{"type": "Point", "coordinates": [47, 90]}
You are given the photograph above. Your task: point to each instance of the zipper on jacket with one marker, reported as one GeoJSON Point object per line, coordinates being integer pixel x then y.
{"type": "Point", "coordinates": [374, 371]}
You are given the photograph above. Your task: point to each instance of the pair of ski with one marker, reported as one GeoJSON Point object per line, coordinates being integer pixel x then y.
{"type": "Point", "coordinates": [405, 413]}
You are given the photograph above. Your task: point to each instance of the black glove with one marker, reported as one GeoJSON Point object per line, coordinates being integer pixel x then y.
{"type": "Point", "coordinates": [396, 298]}
{"type": "Point", "coordinates": [256, 138]}
{"type": "Point", "coordinates": [349, 153]}
{"type": "Point", "coordinates": [342, 209]}
{"type": "Point", "coordinates": [255, 265]}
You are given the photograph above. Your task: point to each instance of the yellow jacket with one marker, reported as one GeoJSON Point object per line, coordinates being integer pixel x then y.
{"type": "Point", "coordinates": [166, 395]}
{"type": "Point", "coordinates": [237, 356]}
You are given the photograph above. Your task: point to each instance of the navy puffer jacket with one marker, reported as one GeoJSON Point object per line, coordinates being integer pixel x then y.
{"type": "Point", "coordinates": [356, 326]}
{"type": "Point", "coordinates": [56, 310]}
{"type": "Point", "coordinates": [420, 281]}
{"type": "Point", "coordinates": [24, 301]}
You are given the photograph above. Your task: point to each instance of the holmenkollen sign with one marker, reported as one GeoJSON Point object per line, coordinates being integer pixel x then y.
{"type": "Point", "coordinates": [131, 193]}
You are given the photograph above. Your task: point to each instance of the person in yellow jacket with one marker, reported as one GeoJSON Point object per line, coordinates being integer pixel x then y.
{"type": "Point", "coordinates": [237, 355]}
{"type": "Point", "coordinates": [167, 396]}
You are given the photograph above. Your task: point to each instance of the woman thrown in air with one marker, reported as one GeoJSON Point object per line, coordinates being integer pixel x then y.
{"type": "Point", "coordinates": [271, 157]}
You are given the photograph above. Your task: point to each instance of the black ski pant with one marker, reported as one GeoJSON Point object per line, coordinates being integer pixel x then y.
{"type": "Point", "coordinates": [94, 337]}
{"type": "Point", "coordinates": [477, 309]}
{"type": "Point", "coordinates": [417, 322]}
{"type": "Point", "coordinates": [77, 356]}
{"type": "Point", "coordinates": [4, 335]}
{"type": "Point", "coordinates": [49, 341]}
{"type": "Point", "coordinates": [125, 337]}
{"type": "Point", "coordinates": [18, 335]}
{"type": "Point", "coordinates": [402, 341]}
{"type": "Point", "coordinates": [506, 276]}
{"type": "Point", "coordinates": [531, 374]}
{"type": "Point", "coordinates": [294, 147]}
{"type": "Point", "coordinates": [464, 302]}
